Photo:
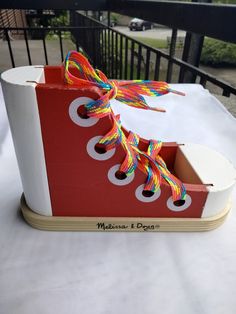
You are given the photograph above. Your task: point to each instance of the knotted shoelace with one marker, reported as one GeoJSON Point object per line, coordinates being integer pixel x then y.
{"type": "Point", "coordinates": [129, 93]}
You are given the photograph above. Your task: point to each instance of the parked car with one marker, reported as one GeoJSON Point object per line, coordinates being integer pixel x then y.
{"type": "Point", "coordinates": [139, 25]}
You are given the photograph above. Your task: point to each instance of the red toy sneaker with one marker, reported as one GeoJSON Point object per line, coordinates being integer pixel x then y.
{"type": "Point", "coordinates": [82, 170]}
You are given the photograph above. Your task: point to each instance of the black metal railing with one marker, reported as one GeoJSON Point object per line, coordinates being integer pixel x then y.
{"type": "Point", "coordinates": [124, 57]}
{"type": "Point", "coordinates": [118, 55]}
{"type": "Point", "coordinates": [41, 34]}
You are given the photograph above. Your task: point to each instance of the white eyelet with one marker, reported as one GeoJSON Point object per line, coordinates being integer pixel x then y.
{"type": "Point", "coordinates": [74, 114]}
{"type": "Point", "coordinates": [173, 207]}
{"type": "Point", "coordinates": [92, 153]}
{"type": "Point", "coordinates": [141, 198]}
{"type": "Point", "coordinates": [112, 178]}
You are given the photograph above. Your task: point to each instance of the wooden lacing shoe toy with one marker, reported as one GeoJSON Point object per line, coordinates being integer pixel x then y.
{"type": "Point", "coordinates": [82, 170]}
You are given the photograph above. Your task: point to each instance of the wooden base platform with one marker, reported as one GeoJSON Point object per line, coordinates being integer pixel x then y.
{"type": "Point", "coordinates": [121, 223]}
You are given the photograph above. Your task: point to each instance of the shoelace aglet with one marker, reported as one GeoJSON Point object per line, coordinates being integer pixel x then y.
{"type": "Point", "coordinates": [31, 82]}
{"type": "Point", "coordinates": [176, 92]}
{"type": "Point", "coordinates": [157, 109]}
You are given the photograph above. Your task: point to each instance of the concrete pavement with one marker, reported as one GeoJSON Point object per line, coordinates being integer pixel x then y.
{"type": "Point", "coordinates": [155, 33]}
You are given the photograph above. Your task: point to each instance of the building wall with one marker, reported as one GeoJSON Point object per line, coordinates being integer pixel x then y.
{"type": "Point", "coordinates": [12, 18]}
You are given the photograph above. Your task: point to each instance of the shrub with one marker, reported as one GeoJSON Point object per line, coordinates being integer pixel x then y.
{"type": "Point", "coordinates": [218, 53]}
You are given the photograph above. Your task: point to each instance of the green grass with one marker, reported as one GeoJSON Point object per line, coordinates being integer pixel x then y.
{"type": "Point", "coordinates": [155, 43]}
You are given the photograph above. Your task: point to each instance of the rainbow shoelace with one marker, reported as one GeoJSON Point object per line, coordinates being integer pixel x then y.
{"type": "Point", "coordinates": [129, 93]}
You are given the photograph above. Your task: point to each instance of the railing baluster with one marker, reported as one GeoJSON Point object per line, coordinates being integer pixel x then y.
{"type": "Point", "coordinates": [44, 47]}
{"type": "Point", "coordinates": [9, 47]}
{"type": "Point", "coordinates": [105, 54]}
{"type": "Point", "coordinates": [112, 54]}
{"type": "Point", "coordinates": [226, 93]}
{"type": "Point", "coordinates": [191, 54]}
{"type": "Point", "coordinates": [116, 57]}
{"type": "Point", "coordinates": [187, 43]}
{"type": "Point", "coordinates": [109, 53]}
{"type": "Point", "coordinates": [104, 50]}
{"type": "Point", "coordinates": [94, 49]}
{"type": "Point", "coordinates": [97, 48]}
{"type": "Point", "coordinates": [132, 61]}
{"type": "Point", "coordinates": [172, 54]}
{"type": "Point", "coordinates": [157, 67]}
{"type": "Point", "coordinates": [147, 65]}
{"type": "Point", "coordinates": [139, 61]}
{"type": "Point", "coordinates": [203, 81]}
{"type": "Point", "coordinates": [27, 47]}
{"type": "Point", "coordinates": [86, 42]}
{"type": "Point", "coordinates": [77, 45]}
{"type": "Point", "coordinates": [126, 58]}
{"type": "Point", "coordinates": [61, 46]}
{"type": "Point", "coordinates": [108, 18]}
{"type": "Point", "coordinates": [98, 45]}
{"type": "Point", "coordinates": [121, 57]}
{"type": "Point", "coordinates": [101, 45]}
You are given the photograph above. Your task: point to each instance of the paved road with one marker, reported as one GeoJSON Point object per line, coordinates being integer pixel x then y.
{"type": "Point", "coordinates": [160, 33]}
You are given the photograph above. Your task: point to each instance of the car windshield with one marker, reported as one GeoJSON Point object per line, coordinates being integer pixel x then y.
{"type": "Point", "coordinates": [136, 20]}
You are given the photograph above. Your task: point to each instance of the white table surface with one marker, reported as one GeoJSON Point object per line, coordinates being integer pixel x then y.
{"type": "Point", "coordinates": [77, 272]}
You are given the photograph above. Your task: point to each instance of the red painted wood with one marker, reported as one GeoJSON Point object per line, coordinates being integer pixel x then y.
{"type": "Point", "coordinates": [78, 184]}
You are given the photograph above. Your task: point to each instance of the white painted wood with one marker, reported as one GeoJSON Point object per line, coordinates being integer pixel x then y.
{"type": "Point", "coordinates": [141, 198]}
{"type": "Point", "coordinates": [112, 178]}
{"type": "Point", "coordinates": [22, 109]}
{"type": "Point", "coordinates": [212, 168]}
{"type": "Point", "coordinates": [216, 201]}
{"type": "Point", "coordinates": [92, 152]}
{"type": "Point", "coordinates": [76, 103]}
{"type": "Point", "coordinates": [173, 207]}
